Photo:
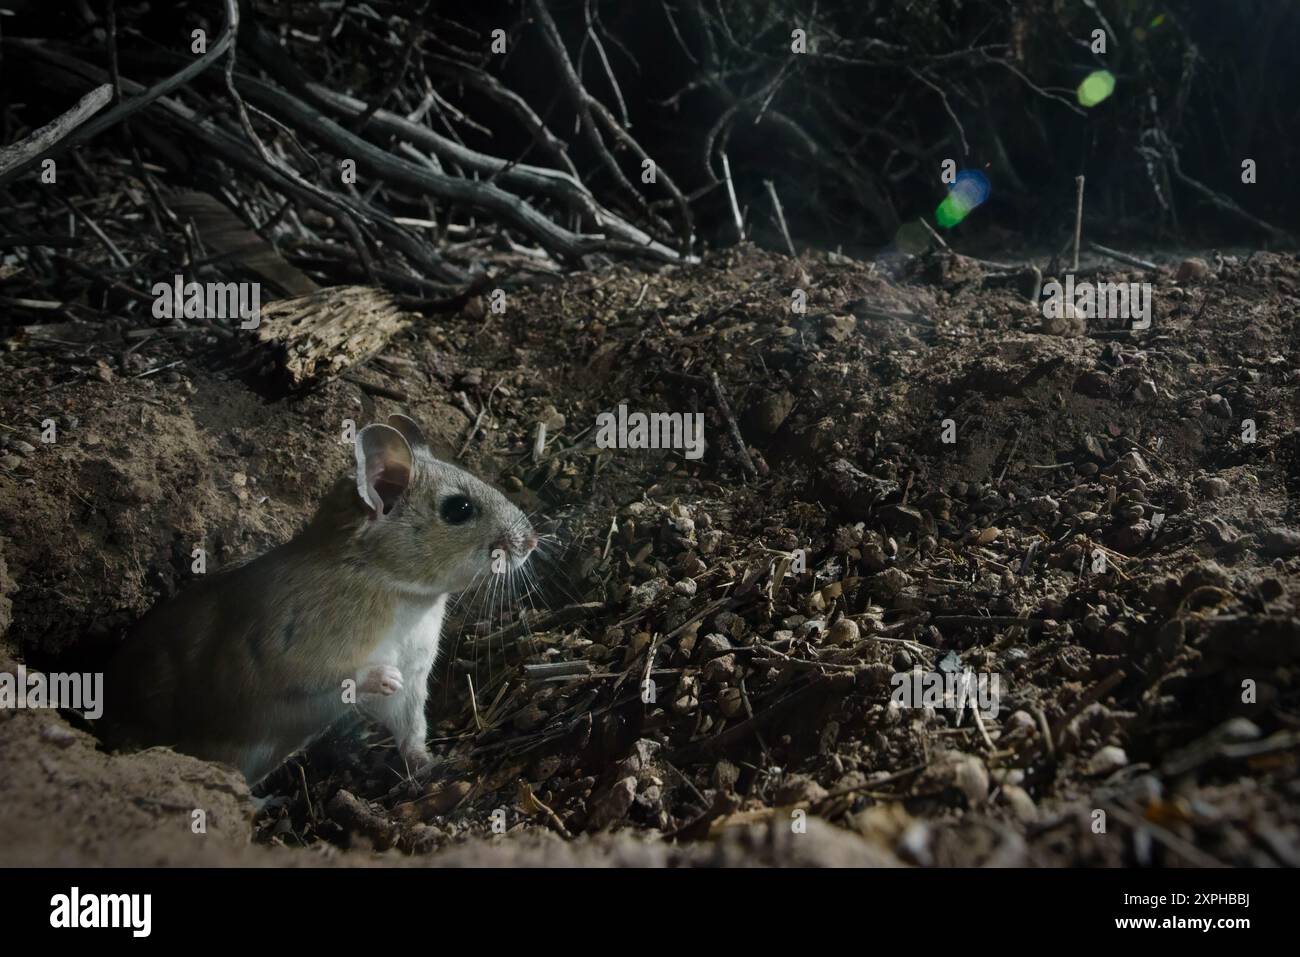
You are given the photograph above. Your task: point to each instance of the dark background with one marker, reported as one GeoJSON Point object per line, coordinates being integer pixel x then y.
{"type": "Point", "coordinates": [859, 148]}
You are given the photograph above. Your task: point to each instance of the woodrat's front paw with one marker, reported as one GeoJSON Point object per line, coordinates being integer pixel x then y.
{"type": "Point", "coordinates": [417, 757]}
{"type": "Point", "coordinates": [382, 679]}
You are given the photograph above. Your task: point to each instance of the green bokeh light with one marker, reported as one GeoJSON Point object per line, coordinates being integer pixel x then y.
{"type": "Point", "coordinates": [1096, 87]}
{"type": "Point", "coordinates": [952, 211]}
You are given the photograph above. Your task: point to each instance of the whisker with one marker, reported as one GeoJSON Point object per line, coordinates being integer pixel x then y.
{"type": "Point", "coordinates": [557, 581]}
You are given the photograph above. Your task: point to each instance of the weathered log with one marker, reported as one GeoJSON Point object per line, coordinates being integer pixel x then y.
{"type": "Point", "coordinates": [302, 342]}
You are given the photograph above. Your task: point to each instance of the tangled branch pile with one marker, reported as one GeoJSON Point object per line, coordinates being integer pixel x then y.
{"type": "Point", "coordinates": [386, 144]}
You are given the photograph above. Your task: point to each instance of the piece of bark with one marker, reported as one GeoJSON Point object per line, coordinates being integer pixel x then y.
{"type": "Point", "coordinates": [225, 234]}
{"type": "Point", "coordinates": [301, 342]}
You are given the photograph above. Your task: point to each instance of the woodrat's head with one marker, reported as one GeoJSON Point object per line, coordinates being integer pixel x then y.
{"type": "Point", "coordinates": [430, 527]}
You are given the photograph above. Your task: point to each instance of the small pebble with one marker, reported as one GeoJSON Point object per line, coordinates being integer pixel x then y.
{"type": "Point", "coordinates": [843, 632]}
{"type": "Point", "coordinates": [1107, 761]}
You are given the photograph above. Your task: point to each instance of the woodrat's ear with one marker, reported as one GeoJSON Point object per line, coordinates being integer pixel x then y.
{"type": "Point", "coordinates": [436, 448]}
{"type": "Point", "coordinates": [410, 430]}
{"type": "Point", "coordinates": [383, 468]}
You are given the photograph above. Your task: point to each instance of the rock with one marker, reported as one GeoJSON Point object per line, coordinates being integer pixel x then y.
{"type": "Point", "coordinates": [1107, 761]}
{"type": "Point", "coordinates": [843, 632]}
{"type": "Point", "coordinates": [443, 797]}
{"type": "Point", "coordinates": [1193, 270]}
{"type": "Point", "coordinates": [901, 518]}
{"type": "Point", "coordinates": [551, 418]}
{"type": "Point", "coordinates": [853, 490]}
{"type": "Point", "coordinates": [839, 328]}
{"type": "Point", "coordinates": [1020, 721]}
{"type": "Point", "coordinates": [730, 702]}
{"type": "Point", "coordinates": [688, 696]}
{"type": "Point", "coordinates": [1147, 391]}
{"type": "Point", "coordinates": [1069, 323]}
{"type": "Point", "coordinates": [972, 779]}
{"type": "Point", "coordinates": [1280, 542]}
{"type": "Point", "coordinates": [725, 775]}
{"type": "Point", "coordinates": [1130, 513]}
{"type": "Point", "coordinates": [1043, 506]}
{"type": "Point", "coordinates": [719, 670]}
{"type": "Point", "coordinates": [1238, 730]}
{"type": "Point", "coordinates": [714, 644]}
{"type": "Point", "coordinates": [529, 718]}
{"type": "Point", "coordinates": [613, 805]}
{"type": "Point", "coordinates": [1219, 406]}
{"type": "Point", "coordinates": [893, 580]}
{"type": "Point", "coordinates": [1216, 530]}
{"type": "Point", "coordinates": [1206, 573]}
{"type": "Point", "coordinates": [873, 555]}
{"type": "Point", "coordinates": [10, 462]}
{"type": "Point", "coordinates": [1128, 537]}
{"type": "Point", "coordinates": [846, 537]}
{"type": "Point", "coordinates": [21, 447]}
{"type": "Point", "coordinates": [772, 411]}
{"type": "Point", "coordinates": [914, 845]}
{"type": "Point", "coordinates": [810, 629]}
{"type": "Point", "coordinates": [1094, 384]}
{"type": "Point", "coordinates": [799, 789]}
{"type": "Point", "coordinates": [961, 773]}
{"type": "Point", "coordinates": [1132, 463]}
{"type": "Point", "coordinates": [964, 773]}
{"type": "Point", "coordinates": [640, 760]}
{"type": "Point", "coordinates": [645, 595]}
{"type": "Point", "coordinates": [1212, 487]}
{"type": "Point", "coordinates": [1021, 804]}
{"type": "Point", "coordinates": [58, 734]}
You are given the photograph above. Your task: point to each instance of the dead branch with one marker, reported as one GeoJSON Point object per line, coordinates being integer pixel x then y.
{"type": "Point", "coordinates": [24, 153]}
{"type": "Point", "coordinates": [590, 110]}
{"type": "Point", "coordinates": [137, 103]}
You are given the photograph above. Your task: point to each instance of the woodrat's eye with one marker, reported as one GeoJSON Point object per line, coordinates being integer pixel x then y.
{"type": "Point", "coordinates": [457, 510]}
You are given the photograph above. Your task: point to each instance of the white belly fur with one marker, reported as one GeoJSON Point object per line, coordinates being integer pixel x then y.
{"type": "Point", "coordinates": [412, 639]}
{"type": "Point", "coordinates": [410, 645]}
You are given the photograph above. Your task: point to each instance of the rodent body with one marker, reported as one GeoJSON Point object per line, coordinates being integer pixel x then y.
{"type": "Point", "coordinates": [251, 664]}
